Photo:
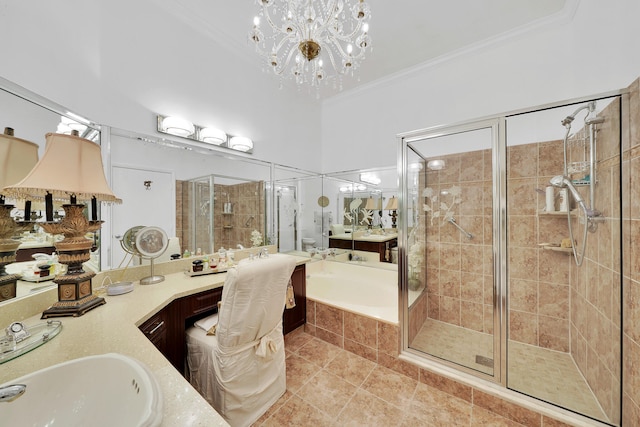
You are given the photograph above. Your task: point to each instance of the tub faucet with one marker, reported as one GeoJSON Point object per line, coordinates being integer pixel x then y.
{"type": "Point", "coordinates": [12, 392]}
{"type": "Point", "coordinates": [355, 257]}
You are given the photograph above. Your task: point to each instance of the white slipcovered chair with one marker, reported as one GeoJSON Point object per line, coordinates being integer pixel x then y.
{"type": "Point", "coordinates": [241, 370]}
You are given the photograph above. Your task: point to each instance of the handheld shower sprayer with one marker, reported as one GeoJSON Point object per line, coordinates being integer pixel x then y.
{"type": "Point", "coordinates": [561, 181]}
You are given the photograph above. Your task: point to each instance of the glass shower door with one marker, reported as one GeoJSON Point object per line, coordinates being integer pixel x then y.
{"type": "Point", "coordinates": [450, 240]}
{"type": "Point", "coordinates": [563, 254]}
{"type": "Point", "coordinates": [201, 215]}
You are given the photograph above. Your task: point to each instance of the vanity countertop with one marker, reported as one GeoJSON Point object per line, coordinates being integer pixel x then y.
{"type": "Point", "coordinates": [30, 244]}
{"type": "Point", "coordinates": [365, 238]}
{"type": "Point", "coordinates": [113, 328]}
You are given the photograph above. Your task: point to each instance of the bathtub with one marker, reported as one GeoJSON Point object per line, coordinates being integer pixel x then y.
{"type": "Point", "coordinates": [360, 289]}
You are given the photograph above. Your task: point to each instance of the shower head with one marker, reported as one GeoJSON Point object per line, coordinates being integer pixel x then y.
{"type": "Point", "coordinates": [567, 121]}
{"type": "Point", "coordinates": [561, 181]}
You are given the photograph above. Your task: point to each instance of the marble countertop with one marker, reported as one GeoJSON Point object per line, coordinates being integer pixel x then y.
{"type": "Point", "coordinates": [113, 328]}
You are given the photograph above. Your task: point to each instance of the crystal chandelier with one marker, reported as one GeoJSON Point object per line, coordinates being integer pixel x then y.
{"type": "Point", "coordinates": [312, 41]}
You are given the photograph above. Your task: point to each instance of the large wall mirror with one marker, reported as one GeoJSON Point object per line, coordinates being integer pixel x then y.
{"type": "Point", "coordinates": [296, 221]}
{"type": "Point", "coordinates": [363, 207]}
{"type": "Point", "coordinates": [204, 200]}
{"type": "Point", "coordinates": [31, 117]}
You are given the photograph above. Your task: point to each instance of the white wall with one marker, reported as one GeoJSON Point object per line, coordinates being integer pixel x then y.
{"type": "Point", "coordinates": [592, 52]}
{"type": "Point", "coordinates": [106, 60]}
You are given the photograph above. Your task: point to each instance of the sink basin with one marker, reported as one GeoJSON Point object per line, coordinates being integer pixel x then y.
{"type": "Point", "coordinates": [102, 390]}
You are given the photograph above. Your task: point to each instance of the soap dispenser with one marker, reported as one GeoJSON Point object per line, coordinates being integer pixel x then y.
{"type": "Point", "coordinates": [222, 255]}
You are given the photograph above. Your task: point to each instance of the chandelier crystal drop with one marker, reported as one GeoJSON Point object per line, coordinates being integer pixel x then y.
{"type": "Point", "coordinates": [312, 41]}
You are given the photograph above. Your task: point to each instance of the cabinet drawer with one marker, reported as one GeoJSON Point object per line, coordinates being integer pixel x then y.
{"type": "Point", "coordinates": [154, 326]}
{"type": "Point", "coordinates": [203, 302]}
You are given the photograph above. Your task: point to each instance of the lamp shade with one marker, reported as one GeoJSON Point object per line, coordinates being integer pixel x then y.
{"type": "Point", "coordinates": [70, 166]}
{"type": "Point", "coordinates": [372, 204]}
{"type": "Point", "coordinates": [17, 158]}
{"type": "Point", "coordinates": [392, 204]}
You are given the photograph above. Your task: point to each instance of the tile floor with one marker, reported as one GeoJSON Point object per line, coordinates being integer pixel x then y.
{"type": "Point", "coordinates": [329, 386]}
{"type": "Point", "coordinates": [557, 378]}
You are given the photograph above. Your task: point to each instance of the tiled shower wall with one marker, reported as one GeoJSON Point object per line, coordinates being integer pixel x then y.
{"type": "Point", "coordinates": [248, 214]}
{"type": "Point", "coordinates": [595, 286]}
{"type": "Point", "coordinates": [631, 261]}
{"type": "Point", "coordinates": [460, 270]}
{"type": "Point", "coordinates": [230, 229]}
{"type": "Point", "coordinates": [538, 279]}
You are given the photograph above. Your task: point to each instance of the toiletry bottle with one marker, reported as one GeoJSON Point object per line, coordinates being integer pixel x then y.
{"type": "Point", "coordinates": [186, 253]}
{"type": "Point", "coordinates": [564, 202]}
{"type": "Point", "coordinates": [550, 199]}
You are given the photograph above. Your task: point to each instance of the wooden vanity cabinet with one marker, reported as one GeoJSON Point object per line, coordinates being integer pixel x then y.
{"type": "Point", "coordinates": [293, 318]}
{"type": "Point", "coordinates": [166, 329]}
{"type": "Point", "coordinates": [382, 248]}
{"type": "Point", "coordinates": [24, 254]}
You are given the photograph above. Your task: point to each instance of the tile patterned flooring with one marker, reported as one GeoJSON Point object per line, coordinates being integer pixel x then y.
{"type": "Point", "coordinates": [557, 379]}
{"type": "Point", "coordinates": [329, 386]}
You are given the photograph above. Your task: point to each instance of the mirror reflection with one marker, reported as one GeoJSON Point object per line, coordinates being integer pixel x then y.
{"type": "Point", "coordinates": [204, 202]}
{"type": "Point", "coordinates": [219, 212]}
{"type": "Point", "coordinates": [294, 195]}
{"type": "Point", "coordinates": [207, 200]}
{"type": "Point", "coordinates": [27, 118]}
{"type": "Point", "coordinates": [363, 220]}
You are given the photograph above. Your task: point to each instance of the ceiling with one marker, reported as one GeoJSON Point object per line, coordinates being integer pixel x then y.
{"type": "Point", "coordinates": [404, 34]}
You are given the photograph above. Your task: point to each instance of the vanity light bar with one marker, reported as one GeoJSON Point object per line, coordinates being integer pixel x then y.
{"type": "Point", "coordinates": [351, 188]}
{"type": "Point", "coordinates": [176, 126]}
{"type": "Point", "coordinates": [370, 178]}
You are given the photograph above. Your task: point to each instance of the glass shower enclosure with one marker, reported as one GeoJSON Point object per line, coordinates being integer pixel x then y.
{"type": "Point", "coordinates": [510, 233]}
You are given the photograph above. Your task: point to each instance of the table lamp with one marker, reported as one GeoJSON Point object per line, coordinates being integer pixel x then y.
{"type": "Point", "coordinates": [70, 169]}
{"type": "Point", "coordinates": [17, 158]}
{"type": "Point", "coordinates": [392, 207]}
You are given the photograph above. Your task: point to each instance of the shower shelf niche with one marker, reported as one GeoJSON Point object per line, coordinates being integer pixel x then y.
{"type": "Point", "coordinates": [556, 213]}
{"type": "Point", "coordinates": [567, 251]}
{"type": "Point", "coordinates": [227, 220]}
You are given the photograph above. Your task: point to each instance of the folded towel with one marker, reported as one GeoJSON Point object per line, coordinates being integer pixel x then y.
{"type": "Point", "coordinates": [290, 301]}
{"type": "Point", "coordinates": [208, 324]}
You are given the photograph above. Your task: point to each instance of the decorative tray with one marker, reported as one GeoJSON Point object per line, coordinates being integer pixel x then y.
{"type": "Point", "coordinates": [205, 272]}
{"type": "Point", "coordinates": [38, 335]}
{"type": "Point", "coordinates": [37, 279]}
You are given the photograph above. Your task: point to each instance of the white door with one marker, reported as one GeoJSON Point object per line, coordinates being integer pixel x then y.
{"type": "Point", "coordinates": [147, 205]}
{"type": "Point", "coordinates": [287, 211]}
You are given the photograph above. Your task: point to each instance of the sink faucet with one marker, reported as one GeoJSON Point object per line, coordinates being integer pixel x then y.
{"type": "Point", "coordinates": [12, 392]}
{"type": "Point", "coordinates": [42, 257]}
